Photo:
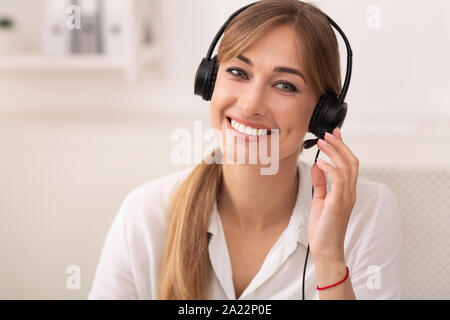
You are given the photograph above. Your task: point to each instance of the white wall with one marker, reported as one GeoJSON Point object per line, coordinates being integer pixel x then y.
{"type": "Point", "coordinates": [400, 71]}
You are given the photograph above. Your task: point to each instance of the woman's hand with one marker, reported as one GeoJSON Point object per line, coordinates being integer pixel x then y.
{"type": "Point", "coordinates": [330, 212]}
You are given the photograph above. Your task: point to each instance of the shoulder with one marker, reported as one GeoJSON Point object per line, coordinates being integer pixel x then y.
{"type": "Point", "coordinates": [376, 211]}
{"type": "Point", "coordinates": [375, 196]}
{"type": "Point", "coordinates": [373, 242]}
{"type": "Point", "coordinates": [142, 217]}
{"type": "Point", "coordinates": [135, 242]}
{"type": "Point", "coordinates": [159, 188]}
{"type": "Point", "coordinates": [155, 194]}
{"type": "Point", "coordinates": [149, 200]}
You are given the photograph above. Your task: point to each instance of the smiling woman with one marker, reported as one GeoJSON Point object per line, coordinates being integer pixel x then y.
{"type": "Point", "coordinates": [227, 231]}
{"type": "Point", "coordinates": [255, 89]}
{"type": "Point", "coordinates": [276, 59]}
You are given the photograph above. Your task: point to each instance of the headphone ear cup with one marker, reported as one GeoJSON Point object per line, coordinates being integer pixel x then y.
{"type": "Point", "coordinates": [212, 83]}
{"type": "Point", "coordinates": [205, 78]}
{"type": "Point", "coordinates": [315, 126]}
{"type": "Point", "coordinates": [328, 114]}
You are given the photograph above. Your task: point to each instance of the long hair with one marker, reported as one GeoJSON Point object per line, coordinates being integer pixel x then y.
{"type": "Point", "coordinates": [186, 269]}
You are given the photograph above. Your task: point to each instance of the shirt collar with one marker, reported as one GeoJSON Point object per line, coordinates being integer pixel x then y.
{"type": "Point", "coordinates": [296, 228]}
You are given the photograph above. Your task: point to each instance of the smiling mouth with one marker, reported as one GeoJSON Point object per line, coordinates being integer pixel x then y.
{"type": "Point", "coordinates": [229, 122]}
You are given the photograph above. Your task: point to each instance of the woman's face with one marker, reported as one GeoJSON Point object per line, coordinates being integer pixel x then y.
{"type": "Point", "coordinates": [255, 88]}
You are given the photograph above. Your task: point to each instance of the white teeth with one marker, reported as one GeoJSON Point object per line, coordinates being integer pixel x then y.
{"type": "Point", "coordinates": [248, 130]}
{"type": "Point", "coordinates": [262, 132]}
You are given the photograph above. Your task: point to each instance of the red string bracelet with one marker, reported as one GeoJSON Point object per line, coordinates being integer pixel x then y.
{"type": "Point", "coordinates": [333, 285]}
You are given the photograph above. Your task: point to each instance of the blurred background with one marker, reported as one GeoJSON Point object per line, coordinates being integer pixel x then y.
{"type": "Point", "coordinates": [91, 91]}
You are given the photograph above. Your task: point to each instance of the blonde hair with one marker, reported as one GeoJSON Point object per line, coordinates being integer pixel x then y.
{"type": "Point", "coordinates": [186, 269]}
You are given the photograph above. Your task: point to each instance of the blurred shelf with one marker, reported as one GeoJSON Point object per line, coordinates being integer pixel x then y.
{"type": "Point", "coordinates": [24, 62]}
{"type": "Point", "coordinates": [41, 62]}
{"type": "Point", "coordinates": [138, 46]}
{"type": "Point", "coordinates": [129, 64]}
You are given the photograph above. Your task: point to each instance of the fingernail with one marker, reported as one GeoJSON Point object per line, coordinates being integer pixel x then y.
{"type": "Point", "coordinates": [323, 142]}
{"type": "Point", "coordinates": [329, 135]}
{"type": "Point", "coordinates": [339, 132]}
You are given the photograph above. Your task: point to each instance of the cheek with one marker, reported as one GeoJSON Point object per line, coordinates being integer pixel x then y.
{"type": "Point", "coordinates": [222, 89]}
{"type": "Point", "coordinates": [294, 120]}
{"type": "Point", "coordinates": [215, 116]}
{"type": "Point", "coordinates": [220, 100]}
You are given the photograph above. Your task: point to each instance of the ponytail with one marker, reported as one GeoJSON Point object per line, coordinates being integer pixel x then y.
{"type": "Point", "coordinates": [186, 266]}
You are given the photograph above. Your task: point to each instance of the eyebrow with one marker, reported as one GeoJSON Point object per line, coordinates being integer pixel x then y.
{"type": "Point", "coordinates": [276, 69]}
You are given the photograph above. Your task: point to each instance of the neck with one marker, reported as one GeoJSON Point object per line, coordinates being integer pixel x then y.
{"type": "Point", "coordinates": [256, 202]}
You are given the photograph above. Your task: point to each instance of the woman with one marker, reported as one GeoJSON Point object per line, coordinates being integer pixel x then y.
{"type": "Point", "coordinates": [233, 233]}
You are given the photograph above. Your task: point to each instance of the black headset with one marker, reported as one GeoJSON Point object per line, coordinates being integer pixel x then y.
{"type": "Point", "coordinates": [329, 112]}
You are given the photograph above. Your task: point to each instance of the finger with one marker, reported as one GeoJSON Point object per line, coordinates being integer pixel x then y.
{"type": "Point", "coordinates": [336, 141]}
{"type": "Point", "coordinates": [355, 163]}
{"type": "Point", "coordinates": [339, 151]}
{"type": "Point", "coordinates": [352, 162]}
{"type": "Point", "coordinates": [332, 150]}
{"type": "Point", "coordinates": [338, 183]}
{"type": "Point", "coordinates": [342, 172]}
{"type": "Point", "coordinates": [319, 182]}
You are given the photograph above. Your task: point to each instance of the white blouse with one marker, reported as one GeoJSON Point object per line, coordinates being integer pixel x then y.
{"type": "Point", "coordinates": [130, 261]}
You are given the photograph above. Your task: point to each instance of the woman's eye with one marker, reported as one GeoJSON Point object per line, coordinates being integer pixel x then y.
{"type": "Point", "coordinates": [290, 87]}
{"type": "Point", "coordinates": [237, 72]}
{"type": "Point", "coordinates": [286, 86]}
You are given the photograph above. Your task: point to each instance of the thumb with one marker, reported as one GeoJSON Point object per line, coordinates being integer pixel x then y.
{"type": "Point", "coordinates": [319, 183]}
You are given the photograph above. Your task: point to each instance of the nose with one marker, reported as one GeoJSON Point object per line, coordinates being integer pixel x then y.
{"type": "Point", "coordinates": [252, 101]}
